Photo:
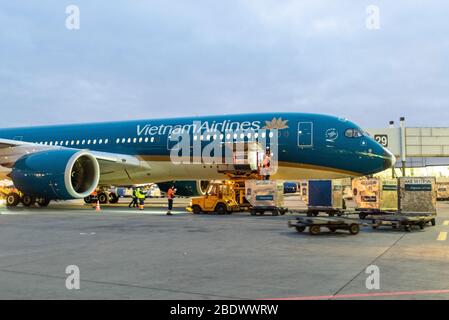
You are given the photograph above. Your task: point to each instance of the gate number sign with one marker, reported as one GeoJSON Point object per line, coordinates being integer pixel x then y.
{"type": "Point", "coordinates": [382, 139]}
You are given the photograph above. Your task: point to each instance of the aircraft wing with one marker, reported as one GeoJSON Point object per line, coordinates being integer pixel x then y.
{"type": "Point", "coordinates": [113, 166]}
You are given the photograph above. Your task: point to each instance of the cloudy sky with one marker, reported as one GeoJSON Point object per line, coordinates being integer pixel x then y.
{"type": "Point", "coordinates": [145, 59]}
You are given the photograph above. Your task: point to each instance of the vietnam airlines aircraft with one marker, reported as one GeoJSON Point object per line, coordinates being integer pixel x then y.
{"type": "Point", "coordinates": [71, 161]}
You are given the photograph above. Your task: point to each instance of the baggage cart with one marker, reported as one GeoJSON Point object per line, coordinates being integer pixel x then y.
{"type": "Point", "coordinates": [398, 221]}
{"type": "Point", "coordinates": [316, 224]}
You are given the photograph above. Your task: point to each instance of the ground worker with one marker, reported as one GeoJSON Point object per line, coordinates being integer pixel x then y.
{"type": "Point", "coordinates": [141, 198]}
{"type": "Point", "coordinates": [170, 196]}
{"type": "Point", "coordinates": [266, 165]}
{"type": "Point", "coordinates": [133, 202]}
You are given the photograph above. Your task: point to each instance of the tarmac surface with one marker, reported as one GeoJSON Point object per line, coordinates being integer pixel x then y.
{"type": "Point", "coordinates": [122, 253]}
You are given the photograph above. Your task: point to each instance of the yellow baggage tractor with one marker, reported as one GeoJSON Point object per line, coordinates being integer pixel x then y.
{"type": "Point", "coordinates": [417, 195]}
{"type": "Point", "coordinates": [375, 195]}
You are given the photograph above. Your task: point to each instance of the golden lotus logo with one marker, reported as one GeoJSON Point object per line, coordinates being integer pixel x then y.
{"type": "Point", "coordinates": [276, 124]}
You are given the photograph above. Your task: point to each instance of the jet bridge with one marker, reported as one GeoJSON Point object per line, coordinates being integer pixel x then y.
{"type": "Point", "coordinates": [415, 146]}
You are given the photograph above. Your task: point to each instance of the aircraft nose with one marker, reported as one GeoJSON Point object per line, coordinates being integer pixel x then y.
{"type": "Point", "coordinates": [389, 159]}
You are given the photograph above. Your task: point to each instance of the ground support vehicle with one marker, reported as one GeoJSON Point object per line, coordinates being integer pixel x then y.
{"type": "Point", "coordinates": [316, 224]}
{"type": "Point", "coordinates": [220, 198]}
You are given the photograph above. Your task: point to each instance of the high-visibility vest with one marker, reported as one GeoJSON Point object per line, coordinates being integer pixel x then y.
{"type": "Point", "coordinates": [140, 195]}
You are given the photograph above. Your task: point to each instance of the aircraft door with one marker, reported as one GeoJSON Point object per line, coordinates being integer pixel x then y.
{"type": "Point", "coordinates": [305, 134]}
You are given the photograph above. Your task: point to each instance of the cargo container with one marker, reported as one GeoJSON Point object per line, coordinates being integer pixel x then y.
{"type": "Point", "coordinates": [265, 195]}
{"type": "Point", "coordinates": [417, 195]}
{"type": "Point", "coordinates": [442, 191]}
{"type": "Point", "coordinates": [304, 192]}
{"type": "Point", "coordinates": [375, 195]}
{"type": "Point", "coordinates": [325, 196]}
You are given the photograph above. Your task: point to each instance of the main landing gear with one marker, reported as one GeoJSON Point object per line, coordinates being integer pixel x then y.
{"type": "Point", "coordinates": [103, 197]}
{"type": "Point", "coordinates": [13, 199]}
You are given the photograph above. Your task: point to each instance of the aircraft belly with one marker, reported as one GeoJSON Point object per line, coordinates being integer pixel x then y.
{"type": "Point", "coordinates": [167, 171]}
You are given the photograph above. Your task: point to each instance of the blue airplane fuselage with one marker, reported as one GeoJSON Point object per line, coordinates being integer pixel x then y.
{"type": "Point", "coordinates": [308, 144]}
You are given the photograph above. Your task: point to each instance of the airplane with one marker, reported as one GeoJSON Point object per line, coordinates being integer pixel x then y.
{"type": "Point", "coordinates": [64, 162]}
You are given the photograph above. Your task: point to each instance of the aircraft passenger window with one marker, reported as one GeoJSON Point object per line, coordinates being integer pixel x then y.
{"type": "Point", "coordinates": [100, 141]}
{"type": "Point", "coordinates": [117, 141]}
{"type": "Point", "coordinates": [72, 142]}
{"type": "Point", "coordinates": [106, 141]}
{"type": "Point", "coordinates": [134, 140]}
{"type": "Point", "coordinates": [256, 135]}
{"type": "Point", "coordinates": [129, 140]}
{"type": "Point", "coordinates": [95, 141]}
{"type": "Point", "coordinates": [271, 134]}
{"type": "Point", "coordinates": [242, 136]}
{"type": "Point", "coordinates": [88, 141]}
{"type": "Point", "coordinates": [51, 143]}
{"type": "Point", "coordinates": [228, 136]}
{"type": "Point", "coordinates": [56, 143]}
{"type": "Point", "coordinates": [140, 139]}
{"type": "Point", "coordinates": [221, 136]}
{"type": "Point", "coordinates": [235, 135]}
{"type": "Point", "coordinates": [83, 142]}
{"type": "Point", "coordinates": [152, 139]}
{"type": "Point", "coordinates": [146, 139]}
{"type": "Point", "coordinates": [215, 137]}
{"type": "Point", "coordinates": [264, 134]}
{"type": "Point", "coordinates": [77, 142]}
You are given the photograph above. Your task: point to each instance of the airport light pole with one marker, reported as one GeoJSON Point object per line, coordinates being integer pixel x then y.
{"type": "Point", "coordinates": [403, 145]}
{"type": "Point", "coordinates": [393, 171]}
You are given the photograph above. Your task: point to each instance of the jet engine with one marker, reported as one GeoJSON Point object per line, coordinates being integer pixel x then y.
{"type": "Point", "coordinates": [57, 174]}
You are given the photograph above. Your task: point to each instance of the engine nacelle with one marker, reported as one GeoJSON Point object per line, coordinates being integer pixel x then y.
{"type": "Point", "coordinates": [57, 174]}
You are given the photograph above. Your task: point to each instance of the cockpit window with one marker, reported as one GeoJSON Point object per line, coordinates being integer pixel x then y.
{"type": "Point", "coordinates": [354, 133]}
